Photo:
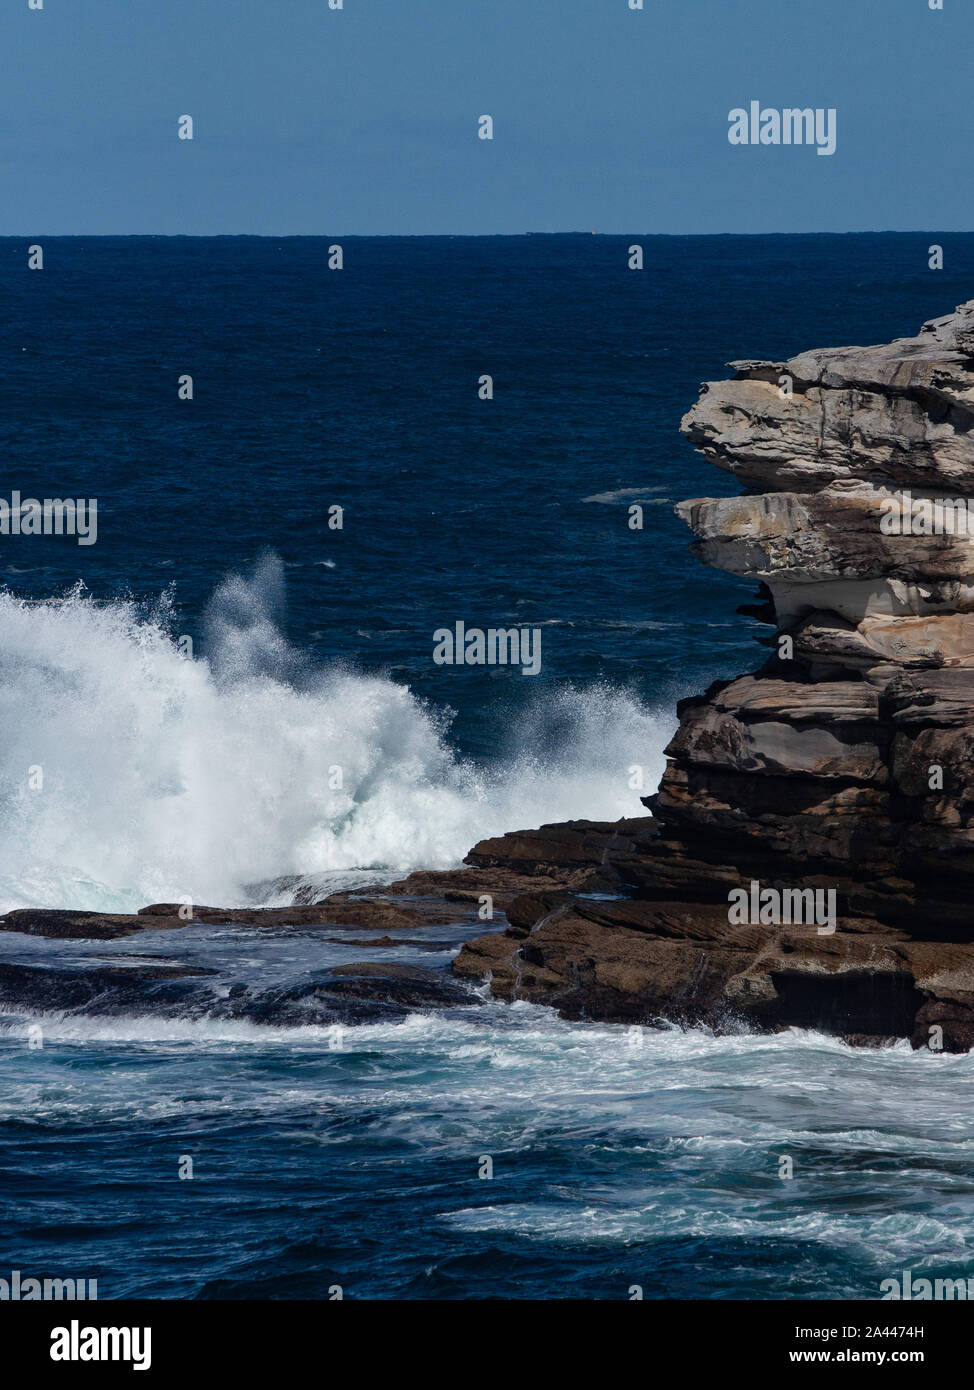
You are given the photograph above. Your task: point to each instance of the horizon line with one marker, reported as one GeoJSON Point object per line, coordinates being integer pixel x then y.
{"type": "Point", "coordinates": [457, 236]}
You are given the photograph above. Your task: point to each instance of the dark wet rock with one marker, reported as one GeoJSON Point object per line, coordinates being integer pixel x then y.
{"type": "Point", "coordinates": [364, 992]}
{"type": "Point", "coordinates": [643, 961]}
{"type": "Point", "coordinates": [67, 924]}
{"type": "Point", "coordinates": [384, 970]}
{"type": "Point", "coordinates": [392, 943]}
{"type": "Point", "coordinates": [499, 877]}
{"type": "Point", "coordinates": [362, 913]}
{"type": "Point", "coordinates": [163, 989]}
{"type": "Point", "coordinates": [368, 913]}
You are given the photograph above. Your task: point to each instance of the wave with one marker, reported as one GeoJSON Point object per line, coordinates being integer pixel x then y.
{"type": "Point", "coordinates": [166, 777]}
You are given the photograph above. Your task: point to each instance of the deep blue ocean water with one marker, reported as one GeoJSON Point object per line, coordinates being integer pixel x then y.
{"type": "Point", "coordinates": [359, 387]}
{"type": "Point", "coordinates": [620, 1159]}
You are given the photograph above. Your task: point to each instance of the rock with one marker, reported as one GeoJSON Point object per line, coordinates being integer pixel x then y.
{"type": "Point", "coordinates": [844, 764]}
{"type": "Point", "coordinates": [384, 970]}
{"type": "Point", "coordinates": [367, 911]}
{"type": "Point", "coordinates": [390, 943]}
{"type": "Point", "coordinates": [66, 924]}
{"type": "Point", "coordinates": [364, 992]}
{"type": "Point", "coordinates": [573, 854]}
{"type": "Point", "coordinates": [898, 413]}
{"type": "Point", "coordinates": [348, 910]}
{"type": "Point", "coordinates": [162, 989]}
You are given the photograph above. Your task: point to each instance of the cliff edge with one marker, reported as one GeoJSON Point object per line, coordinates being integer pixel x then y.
{"type": "Point", "coordinates": [809, 859]}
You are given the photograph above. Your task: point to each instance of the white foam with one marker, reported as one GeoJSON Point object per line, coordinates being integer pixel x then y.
{"type": "Point", "coordinates": [167, 778]}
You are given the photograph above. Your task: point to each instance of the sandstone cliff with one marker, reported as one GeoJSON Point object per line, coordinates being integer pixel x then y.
{"type": "Point", "coordinates": [844, 764]}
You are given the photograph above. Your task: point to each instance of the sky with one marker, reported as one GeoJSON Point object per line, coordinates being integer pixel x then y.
{"type": "Point", "coordinates": [364, 120]}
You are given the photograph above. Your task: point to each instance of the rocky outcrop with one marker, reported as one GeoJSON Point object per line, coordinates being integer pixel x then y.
{"type": "Point", "coordinates": [809, 856]}
{"type": "Point", "coordinates": [843, 766]}
{"type": "Point", "coordinates": [436, 911]}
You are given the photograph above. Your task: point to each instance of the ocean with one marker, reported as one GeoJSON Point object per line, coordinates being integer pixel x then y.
{"type": "Point", "coordinates": [644, 1159]}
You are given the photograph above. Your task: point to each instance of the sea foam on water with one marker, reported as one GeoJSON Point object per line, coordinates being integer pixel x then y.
{"type": "Point", "coordinates": [164, 777]}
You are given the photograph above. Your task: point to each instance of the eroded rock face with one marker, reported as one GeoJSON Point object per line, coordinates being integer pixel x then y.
{"type": "Point", "coordinates": [897, 414]}
{"type": "Point", "coordinates": [845, 762]}
{"type": "Point", "coordinates": [877, 627]}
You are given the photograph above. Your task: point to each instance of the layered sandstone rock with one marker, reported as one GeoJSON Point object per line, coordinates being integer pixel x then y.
{"type": "Point", "coordinates": [845, 763]}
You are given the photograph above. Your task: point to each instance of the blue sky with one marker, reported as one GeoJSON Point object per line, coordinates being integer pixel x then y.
{"type": "Point", "coordinates": [364, 120]}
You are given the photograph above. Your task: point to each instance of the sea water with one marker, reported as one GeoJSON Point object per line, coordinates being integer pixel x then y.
{"type": "Point", "coordinates": [649, 1160]}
